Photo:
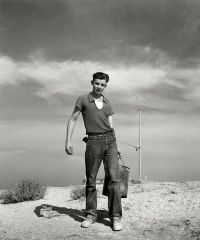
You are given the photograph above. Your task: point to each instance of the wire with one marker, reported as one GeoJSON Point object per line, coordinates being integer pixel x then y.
{"type": "Point", "coordinates": [129, 145]}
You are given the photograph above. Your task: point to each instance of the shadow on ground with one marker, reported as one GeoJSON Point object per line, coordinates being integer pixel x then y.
{"type": "Point", "coordinates": [49, 211]}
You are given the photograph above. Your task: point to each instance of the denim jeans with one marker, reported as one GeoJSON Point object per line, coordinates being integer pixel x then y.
{"type": "Point", "coordinates": [102, 148]}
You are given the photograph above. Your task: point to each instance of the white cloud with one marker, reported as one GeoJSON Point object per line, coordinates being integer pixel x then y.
{"type": "Point", "coordinates": [8, 70]}
{"type": "Point", "coordinates": [136, 77]}
{"type": "Point", "coordinates": [187, 78]}
{"type": "Point", "coordinates": [75, 75]}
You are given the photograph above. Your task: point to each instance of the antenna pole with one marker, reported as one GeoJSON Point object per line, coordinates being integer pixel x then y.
{"type": "Point", "coordinates": [140, 159]}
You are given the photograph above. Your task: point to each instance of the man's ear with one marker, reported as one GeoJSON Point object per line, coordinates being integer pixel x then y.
{"type": "Point", "coordinates": [92, 82]}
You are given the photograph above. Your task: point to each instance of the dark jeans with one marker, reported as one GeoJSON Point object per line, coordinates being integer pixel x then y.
{"type": "Point", "coordinates": [98, 148]}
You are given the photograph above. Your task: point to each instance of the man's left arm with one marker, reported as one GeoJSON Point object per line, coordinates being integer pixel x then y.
{"type": "Point", "coordinates": [110, 119]}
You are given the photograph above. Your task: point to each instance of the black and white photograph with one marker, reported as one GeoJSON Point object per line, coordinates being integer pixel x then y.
{"type": "Point", "coordinates": [99, 119]}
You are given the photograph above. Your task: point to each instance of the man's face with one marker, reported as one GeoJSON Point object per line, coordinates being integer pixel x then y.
{"type": "Point", "coordinates": [98, 86]}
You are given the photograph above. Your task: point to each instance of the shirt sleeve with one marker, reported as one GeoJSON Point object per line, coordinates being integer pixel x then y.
{"type": "Point", "coordinates": [110, 110]}
{"type": "Point", "coordinates": [79, 103]}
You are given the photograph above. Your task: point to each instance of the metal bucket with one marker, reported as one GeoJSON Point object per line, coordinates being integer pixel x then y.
{"type": "Point", "coordinates": [124, 179]}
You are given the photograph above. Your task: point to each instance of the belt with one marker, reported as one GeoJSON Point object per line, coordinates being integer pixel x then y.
{"type": "Point", "coordinates": [99, 134]}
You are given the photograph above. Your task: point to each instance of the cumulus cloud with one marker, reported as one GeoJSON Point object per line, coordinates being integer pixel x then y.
{"type": "Point", "coordinates": [89, 30]}
{"type": "Point", "coordinates": [144, 84]}
{"type": "Point", "coordinates": [8, 70]}
{"type": "Point", "coordinates": [187, 79]}
{"type": "Point", "coordinates": [62, 77]}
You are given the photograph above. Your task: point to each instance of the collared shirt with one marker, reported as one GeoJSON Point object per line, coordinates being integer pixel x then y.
{"type": "Point", "coordinates": [95, 120]}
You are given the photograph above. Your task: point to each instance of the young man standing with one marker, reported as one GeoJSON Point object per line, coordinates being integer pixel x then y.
{"type": "Point", "coordinates": [101, 145]}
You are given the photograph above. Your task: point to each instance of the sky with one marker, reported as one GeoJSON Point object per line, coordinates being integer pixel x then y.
{"type": "Point", "coordinates": [48, 53]}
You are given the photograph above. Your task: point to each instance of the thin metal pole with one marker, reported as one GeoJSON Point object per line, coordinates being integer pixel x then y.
{"type": "Point", "coordinates": [140, 157]}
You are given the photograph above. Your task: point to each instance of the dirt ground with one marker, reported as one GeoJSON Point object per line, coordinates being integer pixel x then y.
{"type": "Point", "coordinates": [152, 211]}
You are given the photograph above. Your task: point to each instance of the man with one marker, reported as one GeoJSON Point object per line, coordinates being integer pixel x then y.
{"type": "Point", "coordinates": [100, 145]}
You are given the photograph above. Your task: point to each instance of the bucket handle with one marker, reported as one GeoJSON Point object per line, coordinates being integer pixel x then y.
{"type": "Point", "coordinates": [120, 158]}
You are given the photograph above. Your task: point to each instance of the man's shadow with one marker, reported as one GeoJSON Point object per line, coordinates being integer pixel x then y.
{"type": "Point", "coordinates": [77, 215]}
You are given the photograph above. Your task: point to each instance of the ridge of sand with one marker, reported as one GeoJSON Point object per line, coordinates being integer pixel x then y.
{"type": "Point", "coordinates": [153, 210]}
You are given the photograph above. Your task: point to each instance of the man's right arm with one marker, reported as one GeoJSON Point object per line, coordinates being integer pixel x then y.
{"type": "Point", "coordinates": [70, 129]}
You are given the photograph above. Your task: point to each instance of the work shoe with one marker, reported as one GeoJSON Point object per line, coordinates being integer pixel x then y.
{"type": "Point", "coordinates": [88, 222]}
{"type": "Point", "coordinates": [117, 225]}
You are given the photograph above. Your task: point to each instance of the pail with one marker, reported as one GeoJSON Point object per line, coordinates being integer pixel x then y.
{"type": "Point", "coordinates": [124, 178]}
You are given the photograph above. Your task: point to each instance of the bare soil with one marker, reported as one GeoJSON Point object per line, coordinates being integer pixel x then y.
{"type": "Point", "coordinates": [152, 211]}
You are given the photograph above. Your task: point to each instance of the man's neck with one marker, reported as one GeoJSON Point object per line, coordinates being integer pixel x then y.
{"type": "Point", "coordinates": [96, 95]}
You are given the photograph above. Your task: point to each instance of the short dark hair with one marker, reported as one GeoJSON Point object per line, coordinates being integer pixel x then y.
{"type": "Point", "coordinates": [101, 75]}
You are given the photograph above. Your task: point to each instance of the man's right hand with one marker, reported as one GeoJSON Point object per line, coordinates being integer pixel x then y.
{"type": "Point", "coordinates": [69, 148]}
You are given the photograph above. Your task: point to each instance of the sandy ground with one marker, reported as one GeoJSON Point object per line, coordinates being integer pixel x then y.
{"type": "Point", "coordinates": [153, 210]}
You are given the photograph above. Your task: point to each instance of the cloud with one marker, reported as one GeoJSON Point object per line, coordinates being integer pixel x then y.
{"type": "Point", "coordinates": [8, 70]}
{"type": "Point", "coordinates": [160, 87]}
{"type": "Point", "coordinates": [86, 30]}
{"type": "Point", "coordinates": [66, 76]}
{"type": "Point", "coordinates": [187, 79]}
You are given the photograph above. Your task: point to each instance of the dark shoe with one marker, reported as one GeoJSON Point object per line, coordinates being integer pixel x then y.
{"type": "Point", "coordinates": [117, 225]}
{"type": "Point", "coordinates": [88, 222]}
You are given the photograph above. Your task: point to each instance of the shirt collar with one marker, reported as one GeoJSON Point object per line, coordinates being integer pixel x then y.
{"type": "Point", "coordinates": [91, 98]}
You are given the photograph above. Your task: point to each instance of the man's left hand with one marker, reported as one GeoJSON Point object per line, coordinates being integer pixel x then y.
{"type": "Point", "coordinates": [119, 153]}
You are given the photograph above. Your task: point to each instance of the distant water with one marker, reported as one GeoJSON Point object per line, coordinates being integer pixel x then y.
{"type": "Point", "coordinates": [36, 149]}
{"type": "Point", "coordinates": [54, 170]}
{"type": "Point", "coordinates": [60, 170]}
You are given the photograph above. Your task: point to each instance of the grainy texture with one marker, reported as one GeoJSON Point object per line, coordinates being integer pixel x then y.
{"type": "Point", "coordinates": [153, 211]}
